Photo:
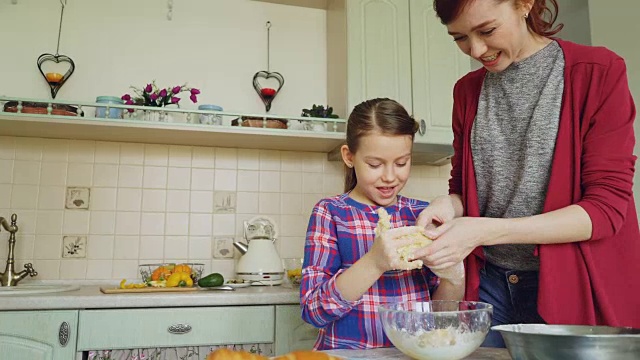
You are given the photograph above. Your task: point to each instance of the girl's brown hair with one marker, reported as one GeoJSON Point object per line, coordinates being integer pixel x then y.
{"type": "Point", "coordinates": [383, 115]}
{"type": "Point", "coordinates": [540, 19]}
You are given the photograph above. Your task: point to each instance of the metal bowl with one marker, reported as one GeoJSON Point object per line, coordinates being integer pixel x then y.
{"type": "Point", "coordinates": [575, 342]}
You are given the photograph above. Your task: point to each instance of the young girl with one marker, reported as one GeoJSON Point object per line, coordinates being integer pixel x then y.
{"type": "Point", "coordinates": [348, 271]}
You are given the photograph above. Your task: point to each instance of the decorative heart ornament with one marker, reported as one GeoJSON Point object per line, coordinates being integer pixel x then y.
{"type": "Point", "coordinates": [55, 80]}
{"type": "Point", "coordinates": [267, 94]}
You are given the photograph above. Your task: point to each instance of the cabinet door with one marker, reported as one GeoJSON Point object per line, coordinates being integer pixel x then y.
{"type": "Point", "coordinates": [38, 335]}
{"type": "Point", "coordinates": [437, 63]}
{"type": "Point", "coordinates": [292, 333]}
{"type": "Point", "coordinates": [379, 51]}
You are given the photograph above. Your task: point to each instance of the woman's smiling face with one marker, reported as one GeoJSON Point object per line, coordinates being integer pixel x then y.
{"type": "Point", "coordinates": [494, 32]}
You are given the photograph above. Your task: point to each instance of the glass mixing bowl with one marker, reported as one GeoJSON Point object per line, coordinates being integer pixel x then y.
{"type": "Point", "coordinates": [437, 330]}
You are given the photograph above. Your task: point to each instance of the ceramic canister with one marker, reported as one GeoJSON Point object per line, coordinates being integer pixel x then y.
{"type": "Point", "coordinates": [114, 113]}
{"type": "Point", "coordinates": [210, 119]}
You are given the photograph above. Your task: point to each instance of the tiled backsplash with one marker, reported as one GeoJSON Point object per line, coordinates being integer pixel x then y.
{"type": "Point", "coordinates": [95, 210]}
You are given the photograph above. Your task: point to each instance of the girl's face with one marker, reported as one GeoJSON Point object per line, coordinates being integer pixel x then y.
{"type": "Point", "coordinates": [382, 164]}
{"type": "Point", "coordinates": [494, 32]}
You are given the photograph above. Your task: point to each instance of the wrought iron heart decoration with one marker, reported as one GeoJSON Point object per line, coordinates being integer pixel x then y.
{"type": "Point", "coordinates": [267, 94]}
{"type": "Point", "coordinates": [56, 80]}
{"type": "Point", "coordinates": [53, 79]}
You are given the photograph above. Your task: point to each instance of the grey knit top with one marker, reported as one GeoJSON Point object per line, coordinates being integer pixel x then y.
{"type": "Point", "coordinates": [512, 142]}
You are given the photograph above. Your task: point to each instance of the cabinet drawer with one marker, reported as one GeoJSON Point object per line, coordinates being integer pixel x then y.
{"type": "Point", "coordinates": [173, 327]}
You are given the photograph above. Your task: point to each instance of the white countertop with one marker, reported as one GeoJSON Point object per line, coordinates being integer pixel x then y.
{"type": "Point", "coordinates": [90, 297]}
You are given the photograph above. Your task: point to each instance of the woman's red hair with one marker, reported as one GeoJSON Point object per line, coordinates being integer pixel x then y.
{"type": "Point", "coordinates": [540, 19]}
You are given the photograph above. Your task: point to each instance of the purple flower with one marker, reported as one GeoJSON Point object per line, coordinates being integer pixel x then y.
{"type": "Point", "coordinates": [129, 101]}
{"type": "Point", "coordinates": [195, 91]}
{"type": "Point", "coordinates": [154, 97]}
{"type": "Point", "coordinates": [149, 88]}
{"type": "Point", "coordinates": [174, 100]}
{"type": "Point", "coordinates": [176, 89]}
{"type": "Point", "coordinates": [126, 97]}
{"type": "Point", "coordinates": [163, 93]}
{"type": "Point", "coordinates": [193, 98]}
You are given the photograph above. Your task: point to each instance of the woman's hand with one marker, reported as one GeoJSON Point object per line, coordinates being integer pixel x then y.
{"type": "Point", "coordinates": [455, 240]}
{"type": "Point", "coordinates": [441, 210]}
{"type": "Point", "coordinates": [384, 252]}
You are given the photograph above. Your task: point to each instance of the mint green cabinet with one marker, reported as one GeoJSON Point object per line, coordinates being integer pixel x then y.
{"type": "Point", "coordinates": [291, 332]}
{"type": "Point", "coordinates": [38, 335]}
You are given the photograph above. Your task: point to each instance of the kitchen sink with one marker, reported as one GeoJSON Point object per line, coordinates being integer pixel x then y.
{"type": "Point", "coordinates": [29, 289]}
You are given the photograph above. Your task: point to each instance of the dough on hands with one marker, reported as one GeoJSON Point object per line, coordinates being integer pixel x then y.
{"type": "Point", "coordinates": [419, 239]}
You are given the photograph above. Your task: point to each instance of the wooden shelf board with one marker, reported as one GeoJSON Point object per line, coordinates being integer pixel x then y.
{"type": "Point", "coordinates": [64, 127]}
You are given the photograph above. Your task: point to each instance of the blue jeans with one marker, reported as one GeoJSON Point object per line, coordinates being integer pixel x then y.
{"type": "Point", "coordinates": [514, 296]}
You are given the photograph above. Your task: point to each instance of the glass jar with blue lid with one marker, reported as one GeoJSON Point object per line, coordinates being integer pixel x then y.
{"type": "Point", "coordinates": [114, 113]}
{"type": "Point", "coordinates": [210, 119]}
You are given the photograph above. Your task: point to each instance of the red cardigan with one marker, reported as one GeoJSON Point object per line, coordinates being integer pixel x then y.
{"type": "Point", "coordinates": [595, 281]}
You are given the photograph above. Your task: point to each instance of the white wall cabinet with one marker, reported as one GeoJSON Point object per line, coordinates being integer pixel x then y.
{"type": "Point", "coordinates": [38, 335]}
{"type": "Point", "coordinates": [397, 49]}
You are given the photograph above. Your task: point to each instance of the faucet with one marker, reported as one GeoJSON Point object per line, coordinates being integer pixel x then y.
{"type": "Point", "coordinates": [9, 277]}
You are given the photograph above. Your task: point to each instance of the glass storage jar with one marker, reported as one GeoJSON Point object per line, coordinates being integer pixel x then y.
{"type": "Point", "coordinates": [114, 113]}
{"type": "Point", "coordinates": [210, 119]}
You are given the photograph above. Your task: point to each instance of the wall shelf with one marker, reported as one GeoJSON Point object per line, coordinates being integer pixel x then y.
{"type": "Point", "coordinates": [315, 4]}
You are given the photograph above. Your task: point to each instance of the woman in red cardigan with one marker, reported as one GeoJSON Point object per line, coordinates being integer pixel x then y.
{"type": "Point", "coordinates": [540, 197]}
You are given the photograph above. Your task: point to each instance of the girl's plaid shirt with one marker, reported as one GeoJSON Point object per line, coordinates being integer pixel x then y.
{"type": "Point", "coordinates": [340, 231]}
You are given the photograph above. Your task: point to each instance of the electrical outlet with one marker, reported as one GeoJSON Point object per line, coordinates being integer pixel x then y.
{"type": "Point", "coordinates": [74, 247]}
{"type": "Point", "coordinates": [223, 248]}
{"type": "Point", "coordinates": [77, 198]}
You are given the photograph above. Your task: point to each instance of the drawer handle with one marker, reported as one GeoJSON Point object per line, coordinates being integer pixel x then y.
{"type": "Point", "coordinates": [179, 329]}
{"type": "Point", "coordinates": [423, 127]}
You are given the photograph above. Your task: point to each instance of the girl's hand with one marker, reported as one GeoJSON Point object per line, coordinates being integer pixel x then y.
{"type": "Point", "coordinates": [384, 251]}
{"type": "Point", "coordinates": [455, 240]}
{"type": "Point", "coordinates": [453, 274]}
{"type": "Point", "coordinates": [440, 211]}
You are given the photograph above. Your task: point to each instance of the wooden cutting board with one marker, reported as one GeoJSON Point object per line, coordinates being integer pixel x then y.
{"type": "Point", "coordinates": [147, 290]}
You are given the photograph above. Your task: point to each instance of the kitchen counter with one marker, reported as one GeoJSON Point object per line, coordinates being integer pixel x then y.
{"type": "Point", "coordinates": [90, 297]}
{"type": "Point", "coordinates": [395, 354]}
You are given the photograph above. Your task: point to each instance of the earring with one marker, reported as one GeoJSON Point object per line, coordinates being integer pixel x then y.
{"type": "Point", "coordinates": [349, 166]}
{"type": "Point", "coordinates": [526, 15]}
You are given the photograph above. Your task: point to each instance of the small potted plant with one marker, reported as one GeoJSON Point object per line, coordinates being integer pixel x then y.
{"type": "Point", "coordinates": [318, 111]}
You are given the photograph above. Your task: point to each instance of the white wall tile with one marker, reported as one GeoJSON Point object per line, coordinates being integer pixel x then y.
{"type": "Point", "coordinates": [107, 152]}
{"type": "Point", "coordinates": [178, 200]}
{"type": "Point", "coordinates": [51, 197]}
{"type": "Point", "coordinates": [176, 247]}
{"type": "Point", "coordinates": [151, 247]}
{"type": "Point", "coordinates": [28, 148]}
{"type": "Point", "coordinates": [53, 173]}
{"type": "Point", "coordinates": [203, 157]}
{"type": "Point", "coordinates": [291, 182]}
{"type": "Point", "coordinates": [291, 204]}
{"type": "Point", "coordinates": [202, 201]}
{"type": "Point", "coordinates": [223, 224]}
{"type": "Point", "coordinates": [269, 203]}
{"type": "Point", "coordinates": [269, 181]}
{"type": "Point", "coordinates": [24, 248]}
{"type": "Point", "coordinates": [26, 221]}
{"type": "Point", "coordinates": [156, 155]}
{"type": "Point", "coordinates": [6, 175]}
{"type": "Point", "coordinates": [125, 269]}
{"type": "Point", "coordinates": [47, 269]}
{"type": "Point", "coordinates": [127, 223]}
{"type": "Point", "coordinates": [152, 223]}
{"type": "Point", "coordinates": [102, 223]}
{"type": "Point", "coordinates": [248, 180]}
{"type": "Point", "coordinates": [313, 162]}
{"type": "Point", "coordinates": [290, 161]}
{"type": "Point", "coordinates": [76, 222]}
{"type": "Point", "coordinates": [226, 158]}
{"type": "Point", "coordinates": [129, 199]}
{"type": "Point", "coordinates": [103, 199]}
{"type": "Point", "coordinates": [155, 177]}
{"type": "Point", "coordinates": [24, 196]}
{"type": "Point", "coordinates": [130, 176]}
{"type": "Point", "coordinates": [26, 172]}
{"type": "Point", "coordinates": [56, 150]}
{"type": "Point", "coordinates": [312, 183]}
{"type": "Point", "coordinates": [100, 247]}
{"type": "Point", "coordinates": [47, 247]}
{"type": "Point", "coordinates": [248, 159]}
{"type": "Point", "coordinates": [80, 174]}
{"type": "Point", "coordinates": [200, 224]}
{"type": "Point", "coordinates": [126, 247]}
{"type": "Point", "coordinates": [247, 203]}
{"type": "Point", "coordinates": [179, 178]}
{"type": "Point", "coordinates": [202, 179]}
{"type": "Point", "coordinates": [226, 180]}
{"type": "Point", "coordinates": [200, 247]}
{"type": "Point", "coordinates": [105, 175]}
{"type": "Point", "coordinates": [99, 269]}
{"type": "Point", "coordinates": [270, 160]}
{"type": "Point", "coordinates": [7, 147]}
{"type": "Point", "coordinates": [132, 154]}
{"type": "Point", "coordinates": [49, 222]}
{"type": "Point", "coordinates": [177, 224]}
{"type": "Point", "coordinates": [179, 156]}
{"type": "Point", "coordinates": [81, 151]}
{"type": "Point", "coordinates": [154, 200]}
{"type": "Point", "coordinates": [73, 269]}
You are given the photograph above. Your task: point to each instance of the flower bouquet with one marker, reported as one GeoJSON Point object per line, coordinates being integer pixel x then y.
{"type": "Point", "coordinates": [153, 96]}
